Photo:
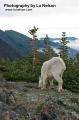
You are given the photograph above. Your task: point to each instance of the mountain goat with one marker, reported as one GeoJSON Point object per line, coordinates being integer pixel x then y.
{"type": "Point", "coordinates": [52, 68]}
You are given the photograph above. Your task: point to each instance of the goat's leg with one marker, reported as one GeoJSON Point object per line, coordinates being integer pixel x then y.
{"type": "Point", "coordinates": [44, 82]}
{"type": "Point", "coordinates": [51, 83]}
{"type": "Point", "coordinates": [58, 78]}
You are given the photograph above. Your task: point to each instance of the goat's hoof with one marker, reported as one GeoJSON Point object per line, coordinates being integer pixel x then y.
{"type": "Point", "coordinates": [43, 88]}
{"type": "Point", "coordinates": [61, 90]}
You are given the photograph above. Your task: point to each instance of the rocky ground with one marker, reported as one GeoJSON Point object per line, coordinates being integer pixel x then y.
{"type": "Point", "coordinates": [24, 101]}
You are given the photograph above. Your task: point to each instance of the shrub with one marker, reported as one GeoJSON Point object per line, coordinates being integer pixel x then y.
{"type": "Point", "coordinates": [22, 70]}
{"type": "Point", "coordinates": [71, 77]}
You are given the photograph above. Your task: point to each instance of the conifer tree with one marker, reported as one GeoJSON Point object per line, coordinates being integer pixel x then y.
{"type": "Point", "coordinates": [49, 52]}
{"type": "Point", "coordinates": [63, 47]}
{"type": "Point", "coordinates": [34, 48]}
{"type": "Point", "coordinates": [77, 58]}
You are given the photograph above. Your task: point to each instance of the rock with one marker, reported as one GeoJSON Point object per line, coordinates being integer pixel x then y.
{"type": "Point", "coordinates": [6, 116]}
{"type": "Point", "coordinates": [34, 104]}
{"type": "Point", "coordinates": [54, 111]}
{"type": "Point", "coordinates": [7, 96]}
{"type": "Point", "coordinates": [21, 110]}
{"type": "Point", "coordinates": [3, 108]}
{"type": "Point", "coordinates": [11, 100]}
{"type": "Point", "coordinates": [14, 115]}
{"type": "Point", "coordinates": [2, 81]}
{"type": "Point", "coordinates": [2, 95]}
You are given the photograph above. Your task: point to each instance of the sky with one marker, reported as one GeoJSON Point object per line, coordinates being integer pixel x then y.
{"type": "Point", "coordinates": [52, 21]}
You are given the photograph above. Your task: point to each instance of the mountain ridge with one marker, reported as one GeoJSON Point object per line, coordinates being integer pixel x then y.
{"type": "Point", "coordinates": [23, 46]}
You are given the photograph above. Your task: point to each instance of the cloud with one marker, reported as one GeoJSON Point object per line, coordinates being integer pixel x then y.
{"type": "Point", "coordinates": [51, 21]}
{"type": "Point", "coordinates": [74, 44]}
{"type": "Point", "coordinates": [56, 50]}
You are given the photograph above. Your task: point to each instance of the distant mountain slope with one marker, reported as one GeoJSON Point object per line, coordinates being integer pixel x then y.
{"type": "Point", "coordinates": [17, 44]}
{"type": "Point", "coordinates": [6, 51]}
{"type": "Point", "coordinates": [19, 41]}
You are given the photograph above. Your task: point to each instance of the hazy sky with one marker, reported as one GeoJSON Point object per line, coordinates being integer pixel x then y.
{"type": "Point", "coordinates": [51, 21]}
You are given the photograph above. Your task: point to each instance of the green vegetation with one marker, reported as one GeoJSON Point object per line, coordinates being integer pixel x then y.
{"type": "Point", "coordinates": [20, 70]}
{"type": "Point", "coordinates": [75, 100]}
{"type": "Point", "coordinates": [76, 108]}
{"type": "Point", "coordinates": [71, 76]}
{"type": "Point", "coordinates": [26, 69]}
{"type": "Point", "coordinates": [63, 47]}
{"type": "Point", "coordinates": [39, 108]}
{"type": "Point", "coordinates": [34, 47]}
{"type": "Point", "coordinates": [48, 51]}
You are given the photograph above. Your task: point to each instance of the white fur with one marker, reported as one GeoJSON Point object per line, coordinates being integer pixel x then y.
{"type": "Point", "coordinates": [52, 68]}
